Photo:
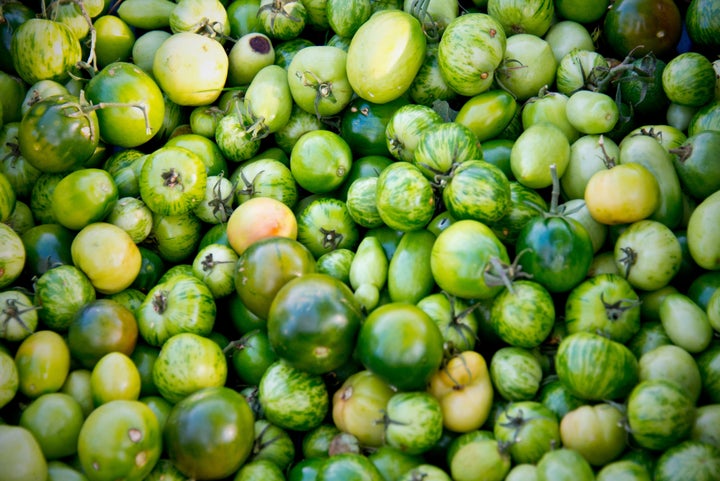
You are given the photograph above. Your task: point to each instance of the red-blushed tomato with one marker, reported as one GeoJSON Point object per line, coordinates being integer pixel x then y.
{"type": "Point", "coordinates": [258, 218]}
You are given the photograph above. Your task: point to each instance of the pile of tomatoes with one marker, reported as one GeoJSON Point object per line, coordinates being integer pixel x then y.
{"type": "Point", "coordinates": [359, 240]}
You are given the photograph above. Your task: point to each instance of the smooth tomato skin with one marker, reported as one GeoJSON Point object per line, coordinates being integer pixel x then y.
{"type": "Point", "coordinates": [83, 197]}
{"type": "Point", "coordinates": [595, 432]}
{"type": "Point", "coordinates": [107, 255]}
{"type": "Point", "coordinates": [560, 252]}
{"type": "Point", "coordinates": [125, 83]}
{"type": "Point", "coordinates": [399, 342]}
{"type": "Point", "coordinates": [265, 267]}
{"type": "Point", "coordinates": [43, 363]}
{"type": "Point", "coordinates": [622, 195]}
{"type": "Point", "coordinates": [650, 25]}
{"type": "Point", "coordinates": [100, 327]}
{"type": "Point", "coordinates": [384, 56]}
{"type": "Point", "coordinates": [258, 218]}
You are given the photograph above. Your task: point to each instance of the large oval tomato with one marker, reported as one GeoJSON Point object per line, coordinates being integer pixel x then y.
{"type": "Point", "coordinates": [642, 26]}
{"type": "Point", "coordinates": [384, 55]}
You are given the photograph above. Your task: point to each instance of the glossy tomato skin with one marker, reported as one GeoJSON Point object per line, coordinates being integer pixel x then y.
{"type": "Point", "coordinates": [57, 134]}
{"type": "Point", "coordinates": [126, 83]}
{"type": "Point", "coordinates": [313, 321]}
{"type": "Point", "coordinates": [210, 433]}
{"type": "Point", "coordinates": [653, 26]}
{"type": "Point", "coordinates": [363, 125]}
{"type": "Point", "coordinates": [399, 342]}
{"type": "Point", "coordinates": [559, 252]}
{"type": "Point", "coordinates": [46, 246]}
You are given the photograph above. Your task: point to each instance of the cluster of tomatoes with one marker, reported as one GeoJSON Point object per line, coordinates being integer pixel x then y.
{"type": "Point", "coordinates": [359, 240]}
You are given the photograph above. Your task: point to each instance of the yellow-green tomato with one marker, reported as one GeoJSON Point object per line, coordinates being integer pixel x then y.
{"type": "Point", "coordinates": [115, 376]}
{"type": "Point", "coordinates": [43, 363]}
{"type": "Point", "coordinates": [384, 55]}
{"type": "Point", "coordinates": [107, 255]}
{"type": "Point", "coordinates": [596, 432]}
{"type": "Point", "coordinates": [20, 455]}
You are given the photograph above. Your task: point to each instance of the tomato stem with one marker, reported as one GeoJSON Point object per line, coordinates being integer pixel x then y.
{"type": "Point", "coordinates": [14, 311]}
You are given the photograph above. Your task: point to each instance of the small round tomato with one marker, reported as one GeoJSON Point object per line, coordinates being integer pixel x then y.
{"type": "Point", "coordinates": [83, 197]}
{"type": "Point", "coordinates": [400, 343]}
{"type": "Point", "coordinates": [259, 218]}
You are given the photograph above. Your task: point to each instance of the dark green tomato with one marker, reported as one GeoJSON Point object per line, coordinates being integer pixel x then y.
{"type": "Point", "coordinates": [151, 269]}
{"type": "Point", "coordinates": [363, 125]}
{"type": "Point", "coordinates": [58, 134]}
{"type": "Point", "coordinates": [175, 237]}
{"type": "Point", "coordinates": [689, 270]}
{"type": "Point", "coordinates": [47, 246]}
{"type": "Point", "coordinates": [559, 252]}
{"type": "Point", "coordinates": [305, 470]}
{"type": "Point", "coordinates": [13, 15]}
{"type": "Point", "coordinates": [210, 433]}
{"type": "Point", "coordinates": [100, 327]}
{"type": "Point", "coordinates": [19, 172]}
{"type": "Point", "coordinates": [313, 321]}
{"type": "Point", "coordinates": [400, 343]}
{"type": "Point", "coordinates": [650, 25]}
{"type": "Point", "coordinates": [243, 320]}
{"type": "Point", "coordinates": [642, 87]}
{"type": "Point", "coordinates": [703, 287]}
{"type": "Point", "coordinates": [144, 356]}
{"type": "Point", "coordinates": [497, 152]}
{"type": "Point", "coordinates": [217, 234]}
{"type": "Point", "coordinates": [265, 267]}
{"type": "Point", "coordinates": [251, 356]}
